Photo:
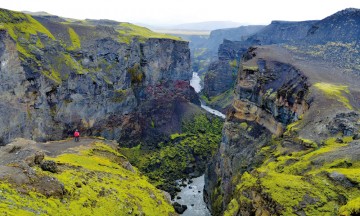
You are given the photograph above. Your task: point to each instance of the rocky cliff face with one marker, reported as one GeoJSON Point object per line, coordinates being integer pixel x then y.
{"type": "Point", "coordinates": [217, 80]}
{"type": "Point", "coordinates": [221, 74]}
{"type": "Point", "coordinates": [106, 79]}
{"type": "Point", "coordinates": [269, 95]}
{"type": "Point", "coordinates": [281, 32]}
{"type": "Point", "coordinates": [279, 152]}
{"type": "Point", "coordinates": [333, 39]}
{"type": "Point", "coordinates": [241, 33]}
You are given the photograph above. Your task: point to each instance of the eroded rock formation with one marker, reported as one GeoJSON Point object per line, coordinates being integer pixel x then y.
{"type": "Point", "coordinates": [59, 75]}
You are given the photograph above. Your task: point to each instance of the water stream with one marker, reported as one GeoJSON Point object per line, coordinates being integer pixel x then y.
{"type": "Point", "coordinates": [195, 83]}
{"type": "Point", "coordinates": [191, 194]}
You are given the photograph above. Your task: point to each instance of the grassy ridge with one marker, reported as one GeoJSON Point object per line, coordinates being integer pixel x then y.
{"type": "Point", "coordinates": [128, 31]}
{"type": "Point", "coordinates": [299, 181]}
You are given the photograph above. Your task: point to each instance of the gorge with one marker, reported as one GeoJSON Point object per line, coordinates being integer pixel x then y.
{"type": "Point", "coordinates": [273, 130]}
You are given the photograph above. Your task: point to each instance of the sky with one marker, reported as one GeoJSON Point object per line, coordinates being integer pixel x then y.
{"type": "Point", "coordinates": [171, 12]}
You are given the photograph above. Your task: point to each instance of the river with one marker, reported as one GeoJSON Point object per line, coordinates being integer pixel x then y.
{"type": "Point", "coordinates": [191, 195]}
{"type": "Point", "coordinates": [195, 83]}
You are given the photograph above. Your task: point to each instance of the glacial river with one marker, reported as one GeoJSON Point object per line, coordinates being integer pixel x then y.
{"type": "Point", "coordinates": [195, 83]}
{"type": "Point", "coordinates": [192, 194]}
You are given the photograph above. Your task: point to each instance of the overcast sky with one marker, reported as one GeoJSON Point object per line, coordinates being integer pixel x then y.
{"type": "Point", "coordinates": [169, 12]}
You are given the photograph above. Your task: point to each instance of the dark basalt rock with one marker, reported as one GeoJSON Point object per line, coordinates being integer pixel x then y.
{"type": "Point", "coordinates": [39, 157]}
{"type": "Point", "coordinates": [221, 74]}
{"type": "Point", "coordinates": [49, 165]}
{"type": "Point", "coordinates": [133, 93]}
{"type": "Point", "coordinates": [341, 179]}
{"type": "Point", "coordinates": [344, 123]}
{"type": "Point", "coordinates": [179, 208]}
{"type": "Point", "coordinates": [356, 137]}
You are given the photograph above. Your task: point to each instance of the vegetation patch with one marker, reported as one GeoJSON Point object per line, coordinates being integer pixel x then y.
{"type": "Point", "coordinates": [297, 181]}
{"type": "Point", "coordinates": [183, 154]}
{"type": "Point", "coordinates": [75, 40]}
{"type": "Point", "coordinates": [136, 73]}
{"type": "Point", "coordinates": [128, 31]}
{"type": "Point", "coordinates": [351, 208]}
{"type": "Point", "coordinates": [96, 183]}
{"type": "Point", "coordinates": [337, 92]}
{"type": "Point", "coordinates": [220, 101]}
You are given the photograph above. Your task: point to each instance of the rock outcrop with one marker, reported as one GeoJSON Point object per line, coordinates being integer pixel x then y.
{"type": "Point", "coordinates": [333, 39]}
{"type": "Point", "coordinates": [286, 140]}
{"type": "Point", "coordinates": [104, 78]}
{"type": "Point", "coordinates": [222, 74]}
{"type": "Point", "coordinates": [269, 95]}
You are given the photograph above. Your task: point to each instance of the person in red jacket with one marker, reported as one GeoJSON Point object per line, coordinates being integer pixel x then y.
{"type": "Point", "coordinates": [76, 135]}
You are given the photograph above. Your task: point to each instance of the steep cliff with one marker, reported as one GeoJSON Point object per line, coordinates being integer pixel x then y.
{"type": "Point", "coordinates": [221, 74]}
{"type": "Point", "coordinates": [241, 33]}
{"type": "Point", "coordinates": [289, 136]}
{"type": "Point", "coordinates": [106, 78]}
{"type": "Point", "coordinates": [281, 32]}
{"type": "Point", "coordinates": [333, 39]}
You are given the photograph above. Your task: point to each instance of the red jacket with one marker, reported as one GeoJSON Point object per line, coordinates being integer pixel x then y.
{"type": "Point", "coordinates": [76, 134]}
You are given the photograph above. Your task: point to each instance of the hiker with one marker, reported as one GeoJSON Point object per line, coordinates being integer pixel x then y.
{"type": "Point", "coordinates": [76, 135]}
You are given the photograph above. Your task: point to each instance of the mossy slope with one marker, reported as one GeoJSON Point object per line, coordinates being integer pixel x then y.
{"type": "Point", "coordinates": [96, 183]}
{"type": "Point", "coordinates": [307, 181]}
{"type": "Point", "coordinates": [37, 37]}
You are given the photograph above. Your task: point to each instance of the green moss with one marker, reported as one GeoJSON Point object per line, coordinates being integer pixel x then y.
{"type": "Point", "coordinates": [336, 92]}
{"type": "Point", "coordinates": [72, 63]}
{"type": "Point", "coordinates": [251, 68]}
{"type": "Point", "coordinates": [196, 144]}
{"type": "Point", "coordinates": [136, 73]}
{"type": "Point", "coordinates": [351, 208]}
{"type": "Point", "coordinates": [244, 125]}
{"type": "Point", "coordinates": [75, 40]}
{"type": "Point", "coordinates": [106, 189]}
{"type": "Point", "coordinates": [21, 26]}
{"type": "Point", "coordinates": [222, 100]}
{"type": "Point", "coordinates": [128, 31]}
{"type": "Point", "coordinates": [120, 95]}
{"type": "Point", "coordinates": [53, 75]}
{"type": "Point", "coordinates": [176, 135]}
{"type": "Point", "coordinates": [233, 63]}
{"type": "Point", "coordinates": [291, 180]}
{"type": "Point", "coordinates": [232, 208]}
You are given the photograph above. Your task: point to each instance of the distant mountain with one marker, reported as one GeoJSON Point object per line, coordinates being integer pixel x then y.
{"type": "Point", "coordinates": [209, 26]}
{"type": "Point", "coordinates": [38, 13]}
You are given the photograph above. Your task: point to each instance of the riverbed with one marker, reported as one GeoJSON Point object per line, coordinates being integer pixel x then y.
{"type": "Point", "coordinates": [192, 196]}
{"type": "Point", "coordinates": [195, 82]}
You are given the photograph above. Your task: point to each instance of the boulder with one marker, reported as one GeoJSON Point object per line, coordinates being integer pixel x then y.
{"type": "Point", "coordinates": [49, 165]}
{"type": "Point", "coordinates": [179, 208]}
{"type": "Point", "coordinates": [341, 179]}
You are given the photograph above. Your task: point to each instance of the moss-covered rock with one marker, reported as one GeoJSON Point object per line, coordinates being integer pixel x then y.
{"type": "Point", "coordinates": [96, 182]}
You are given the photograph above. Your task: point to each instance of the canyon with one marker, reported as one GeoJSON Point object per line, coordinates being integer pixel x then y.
{"type": "Point", "coordinates": [272, 119]}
